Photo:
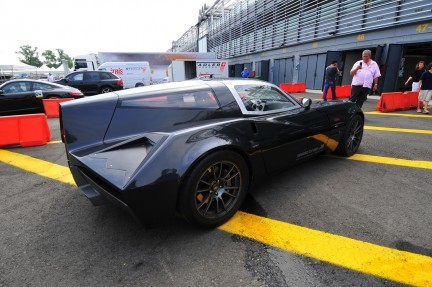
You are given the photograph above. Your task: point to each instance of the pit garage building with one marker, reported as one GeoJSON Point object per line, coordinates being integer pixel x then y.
{"type": "Point", "coordinates": [288, 41]}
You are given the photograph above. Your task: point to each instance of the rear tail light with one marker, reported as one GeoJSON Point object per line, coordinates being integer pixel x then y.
{"type": "Point", "coordinates": [119, 82]}
{"type": "Point", "coordinates": [75, 93]}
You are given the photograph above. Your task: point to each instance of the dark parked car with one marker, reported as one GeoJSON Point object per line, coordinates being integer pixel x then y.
{"type": "Point", "coordinates": [25, 96]}
{"type": "Point", "coordinates": [195, 148]}
{"type": "Point", "coordinates": [93, 82]}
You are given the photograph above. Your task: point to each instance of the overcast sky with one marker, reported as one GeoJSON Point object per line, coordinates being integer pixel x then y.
{"type": "Point", "coordinates": [91, 26]}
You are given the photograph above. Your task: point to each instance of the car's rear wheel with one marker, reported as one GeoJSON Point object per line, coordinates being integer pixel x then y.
{"type": "Point", "coordinates": [214, 189]}
{"type": "Point", "coordinates": [351, 138]}
{"type": "Point", "coordinates": [106, 90]}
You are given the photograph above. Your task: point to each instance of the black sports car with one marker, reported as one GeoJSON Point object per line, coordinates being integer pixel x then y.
{"type": "Point", "coordinates": [194, 148]}
{"type": "Point", "coordinates": [25, 96]}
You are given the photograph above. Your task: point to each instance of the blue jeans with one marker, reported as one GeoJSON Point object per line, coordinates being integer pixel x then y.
{"type": "Point", "coordinates": [332, 85]}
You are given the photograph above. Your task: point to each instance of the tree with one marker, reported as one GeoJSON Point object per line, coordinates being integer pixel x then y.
{"type": "Point", "coordinates": [31, 56]}
{"type": "Point", "coordinates": [64, 56]}
{"type": "Point", "coordinates": [50, 59]}
{"type": "Point", "coordinates": [53, 61]}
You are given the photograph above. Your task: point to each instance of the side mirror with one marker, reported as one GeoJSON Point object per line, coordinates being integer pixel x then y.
{"type": "Point", "coordinates": [306, 102]}
{"type": "Point", "coordinates": [1, 92]}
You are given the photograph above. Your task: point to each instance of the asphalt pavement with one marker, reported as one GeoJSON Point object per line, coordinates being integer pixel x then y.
{"type": "Point", "coordinates": [312, 225]}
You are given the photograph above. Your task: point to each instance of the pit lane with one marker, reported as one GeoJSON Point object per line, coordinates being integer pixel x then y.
{"type": "Point", "coordinates": [380, 203]}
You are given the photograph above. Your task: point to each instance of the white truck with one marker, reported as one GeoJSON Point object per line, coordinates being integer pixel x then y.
{"type": "Point", "coordinates": [181, 70]}
{"type": "Point", "coordinates": [89, 62]}
{"type": "Point", "coordinates": [133, 74]}
{"type": "Point", "coordinates": [159, 62]}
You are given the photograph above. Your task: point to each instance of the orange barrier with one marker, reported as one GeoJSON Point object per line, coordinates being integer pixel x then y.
{"type": "Point", "coordinates": [345, 91]}
{"type": "Point", "coordinates": [404, 102]}
{"type": "Point", "coordinates": [24, 130]}
{"type": "Point", "coordinates": [412, 98]}
{"type": "Point", "coordinates": [51, 106]}
{"type": "Point", "coordinates": [301, 87]}
{"type": "Point", "coordinates": [389, 102]}
{"type": "Point", "coordinates": [287, 87]}
{"type": "Point", "coordinates": [293, 87]}
{"type": "Point", "coordinates": [341, 92]}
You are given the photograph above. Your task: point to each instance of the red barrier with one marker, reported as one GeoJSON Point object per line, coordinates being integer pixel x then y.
{"type": "Point", "coordinates": [300, 87]}
{"type": "Point", "coordinates": [341, 92]}
{"type": "Point", "coordinates": [293, 87]}
{"type": "Point", "coordinates": [412, 99]}
{"type": "Point", "coordinates": [24, 130]}
{"type": "Point", "coordinates": [404, 102]}
{"type": "Point", "coordinates": [51, 106]}
{"type": "Point", "coordinates": [287, 87]}
{"type": "Point", "coordinates": [389, 102]}
{"type": "Point", "coordinates": [346, 91]}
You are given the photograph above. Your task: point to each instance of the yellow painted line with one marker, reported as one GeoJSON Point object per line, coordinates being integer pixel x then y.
{"type": "Point", "coordinates": [391, 161]}
{"type": "Point", "coordinates": [400, 266]}
{"type": "Point", "coordinates": [40, 167]}
{"type": "Point", "coordinates": [399, 130]}
{"type": "Point", "coordinates": [54, 142]}
{"type": "Point", "coordinates": [401, 115]}
{"type": "Point", "coordinates": [385, 262]}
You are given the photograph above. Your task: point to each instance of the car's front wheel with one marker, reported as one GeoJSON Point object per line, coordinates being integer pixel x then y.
{"type": "Point", "coordinates": [106, 90]}
{"type": "Point", "coordinates": [352, 137]}
{"type": "Point", "coordinates": [214, 189]}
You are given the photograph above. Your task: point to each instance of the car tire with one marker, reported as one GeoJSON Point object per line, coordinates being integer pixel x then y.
{"type": "Point", "coordinates": [214, 189]}
{"type": "Point", "coordinates": [106, 90]}
{"type": "Point", "coordinates": [351, 138]}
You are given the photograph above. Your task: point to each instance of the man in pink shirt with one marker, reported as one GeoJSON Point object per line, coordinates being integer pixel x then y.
{"type": "Point", "coordinates": [365, 78]}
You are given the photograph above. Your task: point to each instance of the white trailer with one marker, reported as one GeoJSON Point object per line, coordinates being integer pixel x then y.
{"type": "Point", "coordinates": [181, 70]}
{"type": "Point", "coordinates": [133, 74]}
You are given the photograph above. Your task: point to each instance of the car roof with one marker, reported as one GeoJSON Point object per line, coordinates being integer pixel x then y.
{"type": "Point", "coordinates": [190, 84]}
{"type": "Point", "coordinates": [97, 71]}
{"type": "Point", "coordinates": [36, 81]}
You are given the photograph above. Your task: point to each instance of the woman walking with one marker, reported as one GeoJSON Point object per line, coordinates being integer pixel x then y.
{"type": "Point", "coordinates": [415, 76]}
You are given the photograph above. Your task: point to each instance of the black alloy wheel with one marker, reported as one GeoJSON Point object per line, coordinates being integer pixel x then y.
{"type": "Point", "coordinates": [215, 189]}
{"type": "Point", "coordinates": [352, 137]}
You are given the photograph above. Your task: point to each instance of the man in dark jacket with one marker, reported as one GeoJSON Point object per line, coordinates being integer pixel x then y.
{"type": "Point", "coordinates": [330, 79]}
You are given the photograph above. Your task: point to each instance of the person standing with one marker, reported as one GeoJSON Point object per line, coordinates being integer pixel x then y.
{"type": "Point", "coordinates": [51, 78]}
{"type": "Point", "coordinates": [415, 76]}
{"type": "Point", "coordinates": [365, 78]}
{"type": "Point", "coordinates": [330, 80]}
{"type": "Point", "coordinates": [425, 89]}
{"type": "Point", "coordinates": [245, 73]}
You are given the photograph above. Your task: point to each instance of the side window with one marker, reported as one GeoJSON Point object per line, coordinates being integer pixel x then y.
{"type": "Point", "coordinates": [106, 76]}
{"type": "Point", "coordinates": [11, 88]}
{"type": "Point", "coordinates": [92, 76]}
{"type": "Point", "coordinates": [18, 87]}
{"type": "Point", "coordinates": [40, 86]}
{"type": "Point", "coordinates": [192, 99]}
{"type": "Point", "coordinates": [263, 98]}
{"type": "Point", "coordinates": [76, 77]}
